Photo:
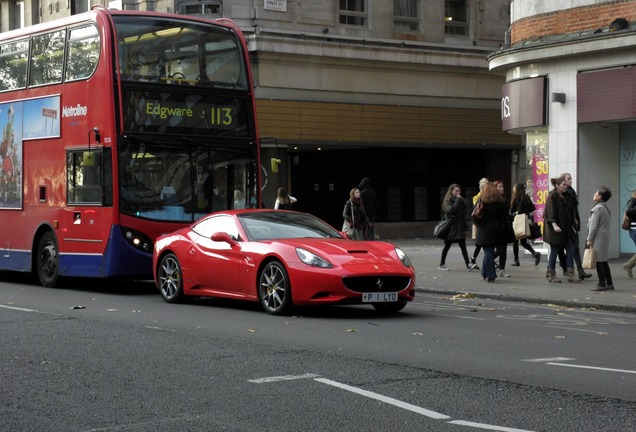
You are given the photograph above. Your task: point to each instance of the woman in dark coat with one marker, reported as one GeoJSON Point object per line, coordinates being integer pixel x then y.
{"type": "Point", "coordinates": [454, 206]}
{"type": "Point", "coordinates": [490, 228]}
{"type": "Point", "coordinates": [522, 204]}
{"type": "Point", "coordinates": [354, 214]}
{"type": "Point", "coordinates": [559, 229]}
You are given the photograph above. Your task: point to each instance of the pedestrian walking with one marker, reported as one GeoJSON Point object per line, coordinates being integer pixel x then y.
{"type": "Point", "coordinates": [454, 207]}
{"type": "Point", "coordinates": [482, 184]}
{"type": "Point", "coordinates": [355, 215]}
{"type": "Point", "coordinates": [598, 237]}
{"type": "Point", "coordinates": [490, 228]}
{"type": "Point", "coordinates": [522, 204]}
{"type": "Point", "coordinates": [630, 210]}
{"type": "Point", "coordinates": [577, 247]}
{"type": "Point", "coordinates": [559, 228]}
{"type": "Point", "coordinates": [370, 201]}
{"type": "Point", "coordinates": [501, 251]}
{"type": "Point", "coordinates": [284, 201]}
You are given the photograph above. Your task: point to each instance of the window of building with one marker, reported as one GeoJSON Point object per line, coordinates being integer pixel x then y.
{"type": "Point", "coordinates": [79, 6]}
{"type": "Point", "coordinates": [19, 15]}
{"type": "Point", "coordinates": [353, 12]}
{"type": "Point", "coordinates": [456, 17]}
{"type": "Point", "coordinates": [405, 15]}
{"type": "Point", "coordinates": [207, 8]}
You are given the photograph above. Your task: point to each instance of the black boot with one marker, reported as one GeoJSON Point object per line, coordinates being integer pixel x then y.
{"type": "Point", "coordinates": [582, 274]}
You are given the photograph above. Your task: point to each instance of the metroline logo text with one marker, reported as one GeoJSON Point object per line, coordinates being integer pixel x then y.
{"type": "Point", "coordinates": [76, 111]}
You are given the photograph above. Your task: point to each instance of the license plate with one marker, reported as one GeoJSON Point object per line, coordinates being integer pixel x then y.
{"type": "Point", "coordinates": [382, 297]}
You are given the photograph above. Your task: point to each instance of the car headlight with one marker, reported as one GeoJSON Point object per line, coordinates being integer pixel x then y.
{"type": "Point", "coordinates": [403, 258]}
{"type": "Point", "coordinates": [312, 259]}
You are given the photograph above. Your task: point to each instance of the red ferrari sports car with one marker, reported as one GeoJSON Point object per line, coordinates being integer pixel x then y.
{"type": "Point", "coordinates": [281, 259]}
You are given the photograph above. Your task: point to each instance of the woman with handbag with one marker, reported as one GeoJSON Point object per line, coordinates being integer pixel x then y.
{"type": "Point", "coordinates": [355, 216]}
{"type": "Point", "coordinates": [490, 228]}
{"type": "Point", "coordinates": [598, 237]}
{"type": "Point", "coordinates": [522, 204]}
{"type": "Point", "coordinates": [454, 207]}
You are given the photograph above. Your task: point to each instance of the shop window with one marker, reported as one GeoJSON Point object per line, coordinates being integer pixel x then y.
{"type": "Point", "coordinates": [405, 17]}
{"type": "Point", "coordinates": [456, 17]}
{"type": "Point", "coordinates": [353, 12]}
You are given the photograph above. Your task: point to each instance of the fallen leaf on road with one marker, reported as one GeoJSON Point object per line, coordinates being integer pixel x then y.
{"type": "Point", "coordinates": [417, 334]}
{"type": "Point", "coordinates": [601, 333]}
{"type": "Point", "coordinates": [251, 330]}
{"type": "Point", "coordinates": [352, 330]}
{"type": "Point", "coordinates": [78, 307]}
{"type": "Point", "coordinates": [559, 337]}
{"type": "Point", "coordinates": [465, 295]}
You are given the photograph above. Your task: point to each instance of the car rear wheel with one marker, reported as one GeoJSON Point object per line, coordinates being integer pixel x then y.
{"type": "Point", "coordinates": [274, 289]}
{"type": "Point", "coordinates": [170, 279]}
{"type": "Point", "coordinates": [47, 260]}
{"type": "Point", "coordinates": [389, 308]}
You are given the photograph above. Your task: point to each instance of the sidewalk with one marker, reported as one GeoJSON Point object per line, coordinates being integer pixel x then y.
{"type": "Point", "coordinates": [527, 283]}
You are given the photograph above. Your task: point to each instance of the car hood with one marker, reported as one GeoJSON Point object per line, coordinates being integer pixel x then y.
{"type": "Point", "coordinates": [379, 256]}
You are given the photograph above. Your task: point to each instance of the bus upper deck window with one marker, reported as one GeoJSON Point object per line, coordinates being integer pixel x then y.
{"type": "Point", "coordinates": [83, 52]}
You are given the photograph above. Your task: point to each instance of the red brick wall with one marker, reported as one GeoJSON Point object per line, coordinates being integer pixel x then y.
{"type": "Point", "coordinates": [572, 20]}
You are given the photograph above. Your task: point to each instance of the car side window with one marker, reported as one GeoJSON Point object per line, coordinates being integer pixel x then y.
{"type": "Point", "coordinates": [216, 224]}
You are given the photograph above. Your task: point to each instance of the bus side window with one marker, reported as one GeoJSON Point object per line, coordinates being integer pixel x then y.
{"type": "Point", "coordinates": [84, 180]}
{"type": "Point", "coordinates": [83, 52]}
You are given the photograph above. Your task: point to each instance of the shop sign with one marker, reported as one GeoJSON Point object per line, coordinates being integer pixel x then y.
{"type": "Point", "coordinates": [523, 104]}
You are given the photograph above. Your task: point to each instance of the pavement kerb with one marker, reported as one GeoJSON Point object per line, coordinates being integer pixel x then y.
{"type": "Point", "coordinates": [526, 284]}
{"type": "Point", "coordinates": [533, 300]}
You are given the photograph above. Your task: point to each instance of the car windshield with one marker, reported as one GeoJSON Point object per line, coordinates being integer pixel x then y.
{"type": "Point", "coordinates": [271, 225]}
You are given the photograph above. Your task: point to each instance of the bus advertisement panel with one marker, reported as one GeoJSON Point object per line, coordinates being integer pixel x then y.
{"type": "Point", "coordinates": [118, 126]}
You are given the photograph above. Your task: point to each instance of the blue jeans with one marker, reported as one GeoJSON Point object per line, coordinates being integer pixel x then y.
{"type": "Point", "coordinates": [488, 264]}
{"type": "Point", "coordinates": [569, 256]}
{"type": "Point", "coordinates": [632, 235]}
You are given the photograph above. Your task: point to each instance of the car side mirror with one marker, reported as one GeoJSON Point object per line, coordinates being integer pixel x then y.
{"type": "Point", "coordinates": [224, 237]}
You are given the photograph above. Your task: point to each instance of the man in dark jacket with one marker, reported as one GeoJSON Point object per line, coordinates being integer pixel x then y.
{"type": "Point", "coordinates": [370, 201]}
{"type": "Point", "coordinates": [577, 248]}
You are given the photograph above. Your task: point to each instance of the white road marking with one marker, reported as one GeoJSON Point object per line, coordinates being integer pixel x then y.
{"type": "Point", "coordinates": [385, 399]}
{"type": "Point", "coordinates": [551, 359]}
{"type": "Point", "coordinates": [486, 426]}
{"type": "Point", "coordinates": [462, 317]}
{"type": "Point", "coordinates": [20, 309]}
{"type": "Point", "coordinates": [593, 367]}
{"type": "Point", "coordinates": [283, 378]}
{"type": "Point", "coordinates": [388, 400]}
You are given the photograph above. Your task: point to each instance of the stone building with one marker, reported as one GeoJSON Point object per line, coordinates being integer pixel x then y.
{"type": "Point", "coordinates": [397, 91]}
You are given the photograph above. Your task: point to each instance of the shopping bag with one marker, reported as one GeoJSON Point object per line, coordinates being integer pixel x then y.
{"type": "Point", "coordinates": [521, 226]}
{"type": "Point", "coordinates": [589, 258]}
{"type": "Point", "coordinates": [443, 228]}
{"type": "Point", "coordinates": [347, 228]}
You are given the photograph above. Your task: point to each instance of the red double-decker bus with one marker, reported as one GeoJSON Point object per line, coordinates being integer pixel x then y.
{"type": "Point", "coordinates": [118, 126]}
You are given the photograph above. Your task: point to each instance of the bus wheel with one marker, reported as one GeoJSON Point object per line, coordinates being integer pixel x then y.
{"type": "Point", "coordinates": [47, 260]}
{"type": "Point", "coordinates": [170, 279]}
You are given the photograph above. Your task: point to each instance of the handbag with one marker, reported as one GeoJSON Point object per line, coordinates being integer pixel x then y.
{"type": "Point", "coordinates": [535, 231]}
{"type": "Point", "coordinates": [478, 212]}
{"type": "Point", "coordinates": [347, 228]}
{"type": "Point", "coordinates": [589, 258]}
{"type": "Point", "coordinates": [521, 226]}
{"type": "Point", "coordinates": [626, 222]}
{"type": "Point", "coordinates": [443, 228]}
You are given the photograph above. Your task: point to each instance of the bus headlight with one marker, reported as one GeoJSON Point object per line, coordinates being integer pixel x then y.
{"type": "Point", "coordinates": [137, 239]}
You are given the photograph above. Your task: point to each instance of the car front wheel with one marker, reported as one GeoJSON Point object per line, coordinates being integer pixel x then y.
{"type": "Point", "coordinates": [274, 289]}
{"type": "Point", "coordinates": [170, 279]}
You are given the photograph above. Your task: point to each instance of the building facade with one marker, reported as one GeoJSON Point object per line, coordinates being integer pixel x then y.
{"type": "Point", "coordinates": [397, 91]}
{"type": "Point", "coordinates": [569, 93]}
